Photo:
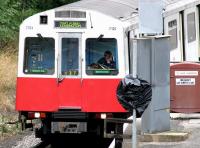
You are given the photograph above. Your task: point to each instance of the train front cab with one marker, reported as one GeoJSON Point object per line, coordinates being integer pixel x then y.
{"type": "Point", "coordinates": [183, 26]}
{"type": "Point", "coordinates": [59, 78]}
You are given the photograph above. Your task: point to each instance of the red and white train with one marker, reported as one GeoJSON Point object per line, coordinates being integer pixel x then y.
{"type": "Point", "coordinates": [60, 78]}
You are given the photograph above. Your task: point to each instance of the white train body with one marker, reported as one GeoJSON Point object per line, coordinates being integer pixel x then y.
{"type": "Point", "coordinates": [181, 20]}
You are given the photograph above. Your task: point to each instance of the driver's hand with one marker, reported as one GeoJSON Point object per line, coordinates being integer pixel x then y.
{"type": "Point", "coordinates": [94, 66]}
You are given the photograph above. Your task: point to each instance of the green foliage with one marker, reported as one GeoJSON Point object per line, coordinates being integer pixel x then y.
{"type": "Point", "coordinates": [9, 22]}
{"type": "Point", "coordinates": [49, 4]}
{"type": "Point", "coordinates": [13, 12]}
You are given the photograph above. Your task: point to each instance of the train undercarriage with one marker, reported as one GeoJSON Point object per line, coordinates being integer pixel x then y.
{"type": "Point", "coordinates": [103, 127]}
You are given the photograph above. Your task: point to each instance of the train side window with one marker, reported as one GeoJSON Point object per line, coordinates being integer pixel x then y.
{"type": "Point", "coordinates": [191, 28]}
{"type": "Point", "coordinates": [172, 25]}
{"type": "Point", "coordinates": [39, 56]}
{"type": "Point", "coordinates": [101, 56]}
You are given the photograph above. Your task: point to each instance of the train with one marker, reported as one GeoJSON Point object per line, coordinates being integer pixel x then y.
{"type": "Point", "coordinates": [72, 58]}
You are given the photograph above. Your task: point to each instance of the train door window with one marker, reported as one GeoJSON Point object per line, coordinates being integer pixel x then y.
{"type": "Point", "coordinates": [70, 56]}
{"type": "Point", "coordinates": [172, 25]}
{"type": "Point", "coordinates": [101, 56]}
{"type": "Point", "coordinates": [39, 56]}
{"type": "Point", "coordinates": [191, 29]}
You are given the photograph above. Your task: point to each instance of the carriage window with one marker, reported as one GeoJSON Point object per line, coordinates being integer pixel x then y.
{"type": "Point", "coordinates": [70, 56]}
{"type": "Point", "coordinates": [39, 56]}
{"type": "Point", "coordinates": [101, 56]}
{"type": "Point", "coordinates": [191, 29]}
{"type": "Point", "coordinates": [172, 25]}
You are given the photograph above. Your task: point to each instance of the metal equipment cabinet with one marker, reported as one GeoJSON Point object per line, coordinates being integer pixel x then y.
{"type": "Point", "coordinates": [185, 87]}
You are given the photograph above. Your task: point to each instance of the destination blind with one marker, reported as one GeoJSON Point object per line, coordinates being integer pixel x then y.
{"type": "Point", "coordinates": [70, 24]}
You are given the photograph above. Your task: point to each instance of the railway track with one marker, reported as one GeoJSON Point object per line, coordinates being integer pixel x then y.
{"type": "Point", "coordinates": [73, 142]}
{"type": "Point", "coordinates": [43, 145]}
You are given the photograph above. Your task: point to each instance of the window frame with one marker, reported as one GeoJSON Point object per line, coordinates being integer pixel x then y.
{"type": "Point", "coordinates": [103, 74]}
{"type": "Point", "coordinates": [78, 59]}
{"type": "Point", "coordinates": [191, 27]}
{"type": "Point", "coordinates": [173, 27]}
{"type": "Point", "coordinates": [25, 57]}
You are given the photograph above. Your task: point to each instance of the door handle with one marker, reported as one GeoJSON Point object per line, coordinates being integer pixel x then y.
{"type": "Point", "coordinates": [81, 72]}
{"type": "Point", "coordinates": [59, 79]}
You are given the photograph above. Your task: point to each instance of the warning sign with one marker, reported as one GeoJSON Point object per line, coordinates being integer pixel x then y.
{"type": "Point", "coordinates": [185, 81]}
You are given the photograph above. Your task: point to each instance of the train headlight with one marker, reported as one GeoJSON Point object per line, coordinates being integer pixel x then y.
{"type": "Point", "coordinates": [32, 115]}
{"type": "Point", "coordinates": [103, 116]}
{"type": "Point", "coordinates": [37, 115]}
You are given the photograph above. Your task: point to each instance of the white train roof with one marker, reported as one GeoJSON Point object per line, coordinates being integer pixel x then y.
{"type": "Point", "coordinates": [116, 8]}
{"type": "Point", "coordinates": [174, 6]}
{"type": "Point", "coordinates": [123, 9]}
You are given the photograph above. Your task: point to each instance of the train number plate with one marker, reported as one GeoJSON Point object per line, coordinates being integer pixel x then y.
{"type": "Point", "coordinates": [68, 127]}
{"type": "Point", "coordinates": [185, 81]}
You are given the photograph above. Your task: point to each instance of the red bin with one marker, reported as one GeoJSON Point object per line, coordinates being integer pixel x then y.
{"type": "Point", "coordinates": [185, 87]}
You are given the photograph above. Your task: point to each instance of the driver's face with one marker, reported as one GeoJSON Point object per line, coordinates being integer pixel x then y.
{"type": "Point", "coordinates": [108, 57]}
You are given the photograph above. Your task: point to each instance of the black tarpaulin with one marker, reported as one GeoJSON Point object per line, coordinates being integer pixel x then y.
{"type": "Point", "coordinates": [134, 93]}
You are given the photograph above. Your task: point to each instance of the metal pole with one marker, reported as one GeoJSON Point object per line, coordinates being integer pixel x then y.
{"type": "Point", "coordinates": [134, 131]}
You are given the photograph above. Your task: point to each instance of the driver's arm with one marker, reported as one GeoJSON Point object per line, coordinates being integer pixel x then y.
{"type": "Point", "coordinates": [101, 61]}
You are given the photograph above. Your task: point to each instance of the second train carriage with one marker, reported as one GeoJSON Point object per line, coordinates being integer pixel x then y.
{"type": "Point", "coordinates": [60, 78]}
{"type": "Point", "coordinates": [181, 21]}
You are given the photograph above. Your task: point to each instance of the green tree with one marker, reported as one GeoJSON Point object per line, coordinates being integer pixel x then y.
{"type": "Point", "coordinates": [49, 4]}
{"type": "Point", "coordinates": [8, 23]}
{"type": "Point", "coordinates": [13, 12]}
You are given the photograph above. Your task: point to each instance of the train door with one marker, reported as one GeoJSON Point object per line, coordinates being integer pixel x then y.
{"type": "Point", "coordinates": [173, 27]}
{"type": "Point", "coordinates": [191, 34]}
{"type": "Point", "coordinates": [69, 71]}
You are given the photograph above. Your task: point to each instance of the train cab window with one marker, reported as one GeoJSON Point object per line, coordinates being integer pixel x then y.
{"type": "Point", "coordinates": [191, 29]}
{"type": "Point", "coordinates": [70, 56]}
{"type": "Point", "coordinates": [39, 56]}
{"type": "Point", "coordinates": [172, 25]}
{"type": "Point", "coordinates": [101, 56]}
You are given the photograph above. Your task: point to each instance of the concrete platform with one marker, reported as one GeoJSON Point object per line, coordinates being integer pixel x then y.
{"type": "Point", "coordinates": [184, 116]}
{"type": "Point", "coordinates": [170, 136]}
{"type": "Point", "coordinates": [185, 132]}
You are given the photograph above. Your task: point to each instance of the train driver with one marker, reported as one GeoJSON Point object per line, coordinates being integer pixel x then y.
{"type": "Point", "coordinates": [107, 60]}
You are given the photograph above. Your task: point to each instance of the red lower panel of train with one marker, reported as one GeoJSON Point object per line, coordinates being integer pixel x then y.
{"type": "Point", "coordinates": [45, 94]}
